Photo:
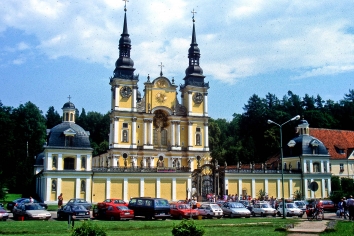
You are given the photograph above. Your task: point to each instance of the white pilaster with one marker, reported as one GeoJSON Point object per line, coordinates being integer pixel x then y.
{"type": "Point", "coordinates": [134, 132]}
{"type": "Point", "coordinates": [48, 189]}
{"type": "Point", "coordinates": [158, 187]}
{"type": "Point", "coordinates": [60, 161]}
{"type": "Point", "coordinates": [108, 188]}
{"type": "Point", "coordinates": [305, 166]}
{"type": "Point", "coordinates": [306, 191]}
{"type": "Point", "coordinates": [142, 192]}
{"type": "Point", "coordinates": [266, 189]}
{"type": "Point", "coordinates": [134, 98]}
{"type": "Point", "coordinates": [116, 89]}
{"type": "Point", "coordinates": [150, 133]}
{"type": "Point", "coordinates": [329, 189]}
{"type": "Point", "coordinates": [322, 169]}
{"type": "Point", "coordinates": [328, 170]}
{"type": "Point", "coordinates": [78, 162]}
{"type": "Point", "coordinates": [49, 162]}
{"type": "Point", "coordinates": [77, 188]}
{"type": "Point", "coordinates": [189, 102]}
{"type": "Point", "coordinates": [116, 127]}
{"type": "Point", "coordinates": [174, 189]}
{"type": "Point", "coordinates": [88, 162]}
{"type": "Point", "coordinates": [173, 143]}
{"type": "Point", "coordinates": [323, 189]}
{"type": "Point", "coordinates": [239, 187]}
{"type": "Point", "coordinates": [88, 189]}
{"type": "Point", "coordinates": [205, 104]}
{"type": "Point", "coordinates": [145, 132]}
{"type": "Point", "coordinates": [178, 134]}
{"type": "Point", "coordinates": [311, 167]}
{"type": "Point", "coordinates": [279, 189]}
{"type": "Point", "coordinates": [291, 188]}
{"type": "Point", "coordinates": [58, 187]}
{"type": "Point", "coordinates": [190, 133]}
{"type": "Point", "coordinates": [206, 135]}
{"type": "Point", "coordinates": [253, 188]}
{"type": "Point", "coordinates": [312, 192]}
{"type": "Point", "coordinates": [125, 189]}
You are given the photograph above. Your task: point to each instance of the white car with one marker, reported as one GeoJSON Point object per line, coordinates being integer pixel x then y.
{"type": "Point", "coordinates": [290, 210]}
{"type": "Point", "coordinates": [263, 209]}
{"type": "Point", "coordinates": [210, 210]}
{"type": "Point", "coordinates": [31, 211]}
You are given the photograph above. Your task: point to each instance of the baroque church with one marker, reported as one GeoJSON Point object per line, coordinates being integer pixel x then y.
{"type": "Point", "coordinates": [158, 146]}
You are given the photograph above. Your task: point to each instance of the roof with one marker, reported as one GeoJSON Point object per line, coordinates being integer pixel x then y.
{"type": "Point", "coordinates": [57, 136]}
{"type": "Point", "coordinates": [335, 140]}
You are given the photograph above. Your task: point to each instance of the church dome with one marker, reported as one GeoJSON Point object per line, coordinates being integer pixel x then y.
{"type": "Point", "coordinates": [69, 105]}
{"type": "Point", "coordinates": [305, 145]}
{"type": "Point", "coordinates": [57, 137]}
{"type": "Point", "coordinates": [39, 159]}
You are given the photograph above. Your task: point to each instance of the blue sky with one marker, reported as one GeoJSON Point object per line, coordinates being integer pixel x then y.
{"type": "Point", "coordinates": [52, 49]}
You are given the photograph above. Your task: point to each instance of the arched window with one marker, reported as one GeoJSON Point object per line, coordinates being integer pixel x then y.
{"type": "Point", "coordinates": [125, 136]}
{"type": "Point", "coordinates": [83, 186]}
{"type": "Point", "coordinates": [164, 137]}
{"type": "Point", "coordinates": [69, 163]}
{"type": "Point", "coordinates": [316, 167]}
{"type": "Point", "coordinates": [83, 162]}
{"type": "Point", "coordinates": [54, 185]}
{"type": "Point", "coordinates": [197, 139]}
{"type": "Point", "coordinates": [54, 162]}
{"type": "Point", "coordinates": [71, 117]}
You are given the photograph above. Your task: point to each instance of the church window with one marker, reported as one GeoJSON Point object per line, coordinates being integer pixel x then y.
{"type": "Point", "coordinates": [67, 117]}
{"type": "Point", "coordinates": [284, 166]}
{"type": "Point", "coordinates": [54, 162]}
{"type": "Point", "coordinates": [155, 137]}
{"type": "Point", "coordinates": [197, 140]}
{"type": "Point", "coordinates": [125, 125]}
{"type": "Point", "coordinates": [54, 185]}
{"type": "Point", "coordinates": [83, 162]}
{"type": "Point", "coordinates": [164, 137]}
{"type": "Point", "coordinates": [298, 165]}
{"type": "Point", "coordinates": [125, 136]}
{"type": "Point", "coordinates": [69, 141]}
{"type": "Point", "coordinates": [316, 167]}
{"type": "Point", "coordinates": [83, 186]}
{"type": "Point", "coordinates": [69, 163]}
{"type": "Point", "coordinates": [71, 117]}
{"type": "Point", "coordinates": [341, 167]}
{"type": "Point", "coordinates": [198, 129]}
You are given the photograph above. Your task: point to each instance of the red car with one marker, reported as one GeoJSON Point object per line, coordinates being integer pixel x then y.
{"type": "Point", "coordinates": [182, 210]}
{"type": "Point", "coordinates": [118, 213]}
{"type": "Point", "coordinates": [111, 202]}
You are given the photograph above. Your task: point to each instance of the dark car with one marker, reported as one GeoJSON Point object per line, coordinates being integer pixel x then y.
{"type": "Point", "coordinates": [80, 201]}
{"type": "Point", "coordinates": [10, 206]}
{"type": "Point", "coordinates": [157, 208]}
{"type": "Point", "coordinates": [28, 200]}
{"type": "Point", "coordinates": [75, 211]}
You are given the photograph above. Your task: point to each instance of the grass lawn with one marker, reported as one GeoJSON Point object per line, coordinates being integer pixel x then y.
{"type": "Point", "coordinates": [12, 196]}
{"type": "Point", "coordinates": [257, 226]}
{"type": "Point", "coordinates": [343, 228]}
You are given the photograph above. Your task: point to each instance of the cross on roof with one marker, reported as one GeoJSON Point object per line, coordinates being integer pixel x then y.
{"type": "Point", "coordinates": [193, 12]}
{"type": "Point", "coordinates": [69, 98]}
{"type": "Point", "coordinates": [161, 68]}
{"type": "Point", "coordinates": [125, 4]}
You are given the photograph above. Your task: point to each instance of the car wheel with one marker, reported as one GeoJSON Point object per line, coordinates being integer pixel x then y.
{"type": "Point", "coordinates": [262, 215]}
{"type": "Point", "coordinates": [301, 215]}
{"type": "Point", "coordinates": [231, 215]}
{"type": "Point", "coordinates": [218, 217]}
{"type": "Point", "coordinates": [253, 214]}
{"type": "Point", "coordinates": [278, 213]}
{"type": "Point", "coordinates": [180, 217]}
{"type": "Point", "coordinates": [163, 219]}
{"type": "Point", "coordinates": [287, 214]}
{"type": "Point", "coordinates": [112, 218]}
{"type": "Point", "coordinates": [209, 216]}
{"type": "Point", "coordinates": [148, 217]}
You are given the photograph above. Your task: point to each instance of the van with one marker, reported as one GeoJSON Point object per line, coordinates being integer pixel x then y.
{"type": "Point", "coordinates": [157, 208]}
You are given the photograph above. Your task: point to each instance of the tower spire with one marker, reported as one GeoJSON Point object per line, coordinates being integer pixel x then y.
{"type": "Point", "coordinates": [124, 64]}
{"type": "Point", "coordinates": [194, 73]}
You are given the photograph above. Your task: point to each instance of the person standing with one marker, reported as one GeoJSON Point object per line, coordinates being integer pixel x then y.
{"type": "Point", "coordinates": [350, 206]}
{"type": "Point", "coordinates": [60, 200]}
{"type": "Point", "coordinates": [31, 199]}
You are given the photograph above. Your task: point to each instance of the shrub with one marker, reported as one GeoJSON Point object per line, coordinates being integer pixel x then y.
{"type": "Point", "coordinates": [187, 228]}
{"type": "Point", "coordinates": [88, 229]}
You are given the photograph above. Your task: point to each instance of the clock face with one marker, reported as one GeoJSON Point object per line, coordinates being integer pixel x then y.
{"type": "Point", "coordinates": [161, 97]}
{"type": "Point", "coordinates": [198, 98]}
{"type": "Point", "coordinates": [125, 91]}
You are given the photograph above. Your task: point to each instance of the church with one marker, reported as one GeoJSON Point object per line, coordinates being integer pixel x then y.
{"type": "Point", "coordinates": [158, 146]}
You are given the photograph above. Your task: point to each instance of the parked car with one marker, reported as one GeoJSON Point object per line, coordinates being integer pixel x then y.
{"type": "Point", "coordinates": [290, 210]}
{"type": "Point", "coordinates": [28, 200]}
{"type": "Point", "coordinates": [182, 210]}
{"type": "Point", "coordinates": [157, 208]}
{"type": "Point", "coordinates": [31, 211]}
{"type": "Point", "coordinates": [301, 205]}
{"type": "Point", "coordinates": [263, 209]}
{"type": "Point", "coordinates": [10, 206]}
{"type": "Point", "coordinates": [80, 201]}
{"type": "Point", "coordinates": [118, 213]}
{"type": "Point", "coordinates": [210, 210]}
{"type": "Point", "coordinates": [3, 214]}
{"type": "Point", "coordinates": [328, 205]}
{"type": "Point", "coordinates": [246, 204]}
{"type": "Point", "coordinates": [76, 211]}
{"type": "Point", "coordinates": [111, 202]}
{"type": "Point", "coordinates": [235, 209]}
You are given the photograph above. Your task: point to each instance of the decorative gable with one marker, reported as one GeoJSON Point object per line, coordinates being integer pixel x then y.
{"type": "Point", "coordinates": [69, 132]}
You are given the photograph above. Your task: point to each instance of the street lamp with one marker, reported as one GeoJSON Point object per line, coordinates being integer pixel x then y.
{"type": "Point", "coordinates": [281, 156]}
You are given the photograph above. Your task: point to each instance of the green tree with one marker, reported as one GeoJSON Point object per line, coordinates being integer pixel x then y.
{"type": "Point", "coordinates": [53, 118]}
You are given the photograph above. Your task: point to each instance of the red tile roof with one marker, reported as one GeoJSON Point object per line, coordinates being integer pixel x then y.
{"type": "Point", "coordinates": [335, 139]}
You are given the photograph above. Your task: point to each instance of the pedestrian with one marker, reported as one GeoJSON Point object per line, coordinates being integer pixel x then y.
{"type": "Point", "coordinates": [350, 205]}
{"type": "Point", "coordinates": [31, 199]}
{"type": "Point", "coordinates": [340, 209]}
{"type": "Point", "coordinates": [60, 200]}
{"type": "Point", "coordinates": [345, 208]}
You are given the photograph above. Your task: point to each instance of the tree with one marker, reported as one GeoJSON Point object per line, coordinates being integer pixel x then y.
{"type": "Point", "coordinates": [53, 118]}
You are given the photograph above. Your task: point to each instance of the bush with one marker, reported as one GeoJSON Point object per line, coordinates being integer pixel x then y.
{"type": "Point", "coordinates": [87, 229]}
{"type": "Point", "coordinates": [187, 228]}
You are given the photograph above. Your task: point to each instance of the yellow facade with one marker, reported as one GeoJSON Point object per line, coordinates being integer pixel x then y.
{"type": "Point", "coordinates": [133, 188]}
{"type": "Point", "coordinates": [68, 187]}
{"type": "Point", "coordinates": [166, 188]}
{"type": "Point", "coordinates": [246, 186]}
{"type": "Point", "coordinates": [99, 190]}
{"type": "Point", "coordinates": [286, 189]}
{"type": "Point", "coordinates": [272, 188]}
{"type": "Point", "coordinates": [233, 186]}
{"type": "Point", "coordinates": [296, 185]}
{"type": "Point", "coordinates": [117, 188]}
{"type": "Point", "coordinates": [259, 186]}
{"type": "Point", "coordinates": [150, 188]}
{"type": "Point", "coordinates": [181, 188]}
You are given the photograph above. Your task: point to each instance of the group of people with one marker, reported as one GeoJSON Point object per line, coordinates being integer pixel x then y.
{"type": "Point", "coordinates": [346, 208]}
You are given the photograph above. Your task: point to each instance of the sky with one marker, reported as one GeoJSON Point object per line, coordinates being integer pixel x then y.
{"type": "Point", "coordinates": [50, 49]}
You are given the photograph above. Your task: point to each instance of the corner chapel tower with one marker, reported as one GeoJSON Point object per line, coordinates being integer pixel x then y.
{"type": "Point", "coordinates": [156, 130]}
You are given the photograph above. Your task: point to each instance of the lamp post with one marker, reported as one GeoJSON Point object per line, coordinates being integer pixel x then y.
{"type": "Point", "coordinates": [281, 156]}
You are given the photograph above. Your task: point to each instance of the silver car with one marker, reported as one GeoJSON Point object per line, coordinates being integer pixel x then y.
{"type": "Point", "coordinates": [235, 209]}
{"type": "Point", "coordinates": [31, 211]}
{"type": "Point", "coordinates": [263, 209]}
{"type": "Point", "coordinates": [290, 210]}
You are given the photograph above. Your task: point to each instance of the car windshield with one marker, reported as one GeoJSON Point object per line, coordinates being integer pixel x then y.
{"type": "Point", "coordinates": [300, 204]}
{"type": "Point", "coordinates": [290, 206]}
{"type": "Point", "coordinates": [183, 206]}
{"type": "Point", "coordinates": [122, 208]}
{"type": "Point", "coordinates": [245, 203]}
{"type": "Point", "coordinates": [161, 203]}
{"type": "Point", "coordinates": [264, 205]}
{"type": "Point", "coordinates": [78, 207]}
{"type": "Point", "coordinates": [214, 206]}
{"type": "Point", "coordinates": [237, 205]}
{"type": "Point", "coordinates": [33, 207]}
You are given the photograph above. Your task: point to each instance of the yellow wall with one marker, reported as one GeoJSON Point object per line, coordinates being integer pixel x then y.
{"type": "Point", "coordinates": [150, 188]}
{"type": "Point", "coordinates": [286, 189]}
{"type": "Point", "coordinates": [296, 185]}
{"type": "Point", "coordinates": [259, 186]}
{"type": "Point", "coordinates": [272, 188]}
{"type": "Point", "coordinates": [181, 188]}
{"type": "Point", "coordinates": [247, 185]}
{"type": "Point", "coordinates": [117, 188]}
{"type": "Point", "coordinates": [125, 102]}
{"type": "Point", "coordinates": [99, 190]}
{"type": "Point", "coordinates": [197, 108]}
{"type": "Point", "coordinates": [53, 196]}
{"type": "Point", "coordinates": [318, 193]}
{"type": "Point", "coordinates": [166, 189]}
{"type": "Point", "coordinates": [140, 134]}
{"type": "Point", "coordinates": [233, 186]}
{"type": "Point", "coordinates": [68, 188]}
{"type": "Point", "coordinates": [133, 188]}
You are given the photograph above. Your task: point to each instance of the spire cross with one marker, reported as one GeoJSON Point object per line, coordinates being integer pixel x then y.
{"type": "Point", "coordinates": [161, 68]}
{"type": "Point", "coordinates": [69, 98]}
{"type": "Point", "coordinates": [193, 12]}
{"type": "Point", "coordinates": [125, 4]}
